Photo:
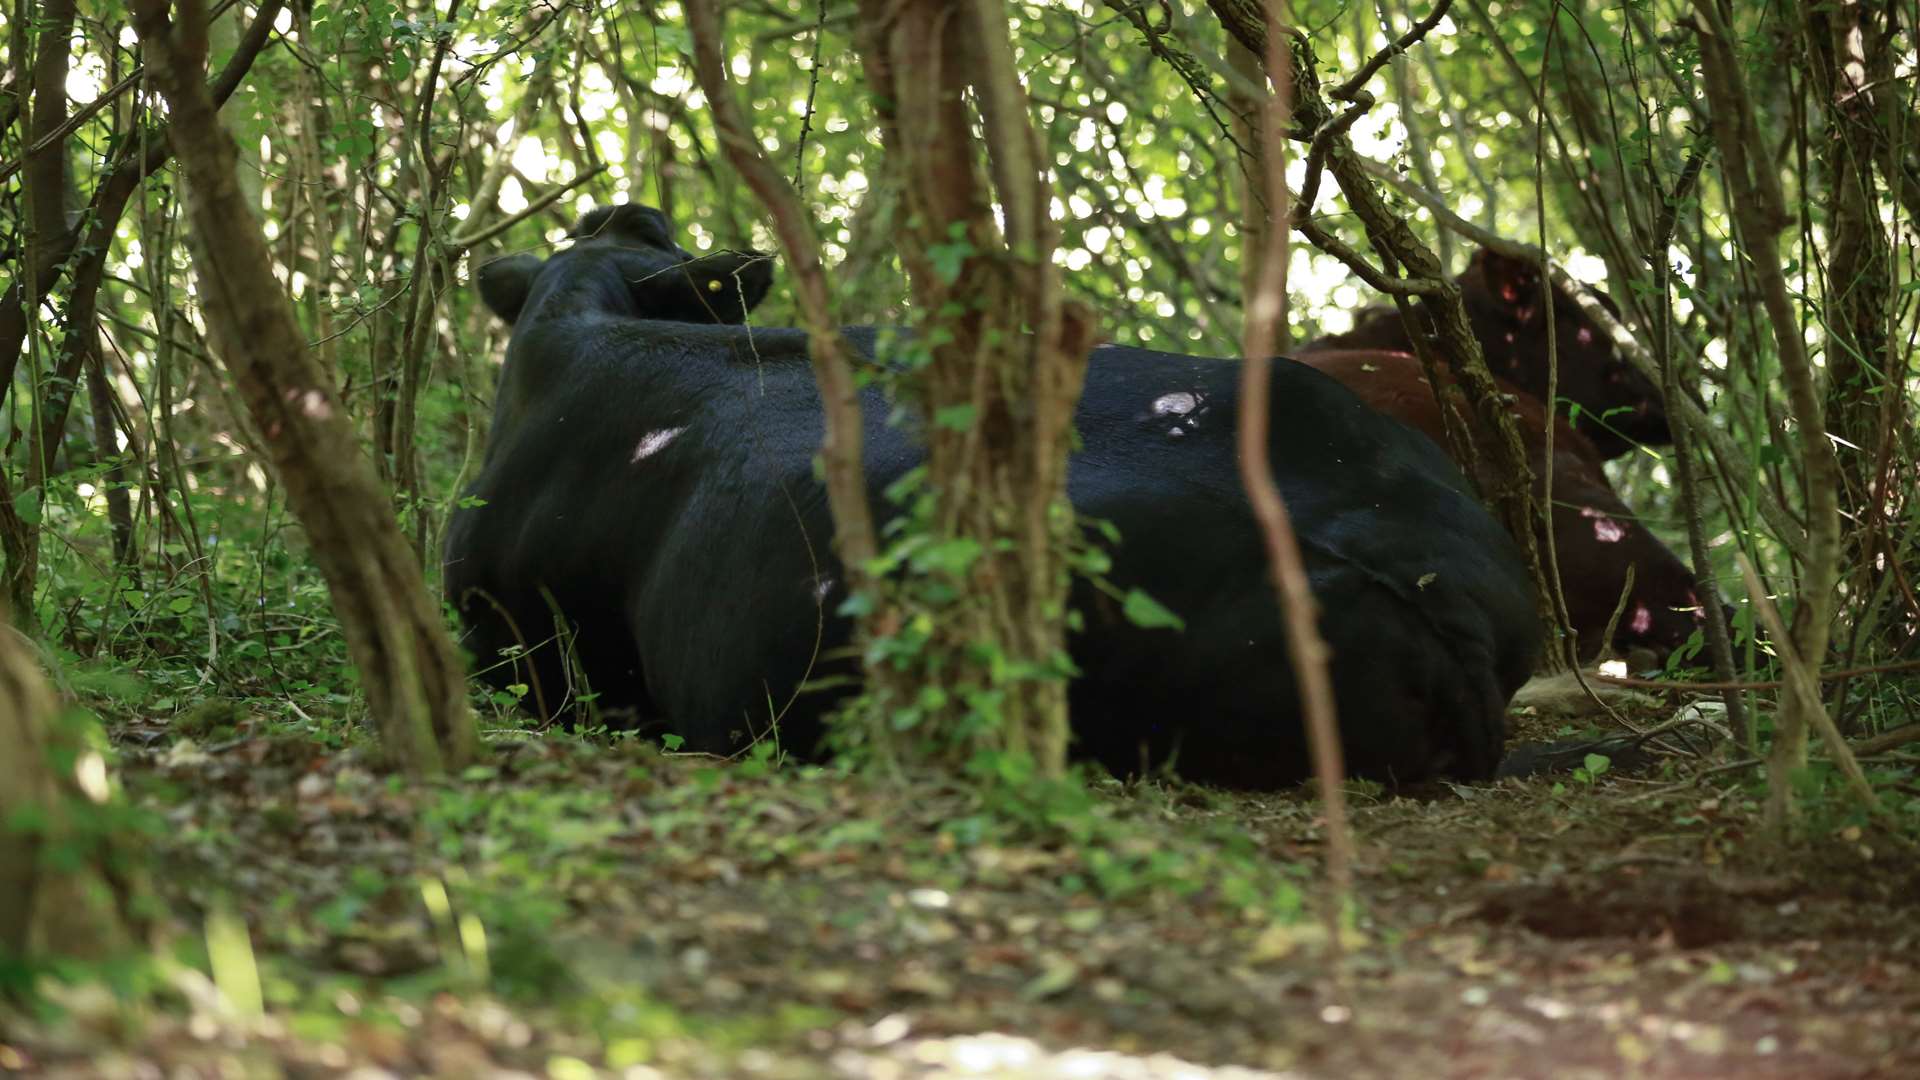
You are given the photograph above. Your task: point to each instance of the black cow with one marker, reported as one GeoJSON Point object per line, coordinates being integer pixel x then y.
{"type": "Point", "coordinates": [1618, 407]}
{"type": "Point", "coordinates": [650, 478]}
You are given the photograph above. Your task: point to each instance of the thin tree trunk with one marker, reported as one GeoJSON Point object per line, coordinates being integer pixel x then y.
{"type": "Point", "coordinates": [1411, 269]}
{"type": "Point", "coordinates": [840, 448]}
{"type": "Point", "coordinates": [1760, 211]}
{"type": "Point", "coordinates": [106, 442]}
{"type": "Point", "coordinates": [414, 682]}
{"type": "Point", "coordinates": [1849, 67]}
{"type": "Point", "coordinates": [1267, 333]}
{"type": "Point", "coordinates": [51, 907]}
{"type": "Point", "coordinates": [44, 194]}
{"type": "Point", "coordinates": [1008, 353]}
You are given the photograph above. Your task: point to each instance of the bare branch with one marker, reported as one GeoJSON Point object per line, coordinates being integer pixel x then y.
{"type": "Point", "coordinates": [1266, 334]}
{"type": "Point", "coordinates": [854, 536]}
{"type": "Point", "coordinates": [1352, 88]}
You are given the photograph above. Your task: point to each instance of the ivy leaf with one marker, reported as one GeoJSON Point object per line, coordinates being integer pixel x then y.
{"type": "Point", "coordinates": [948, 259]}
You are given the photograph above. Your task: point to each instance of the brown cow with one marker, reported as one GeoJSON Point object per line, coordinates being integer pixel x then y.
{"type": "Point", "coordinates": [1595, 534]}
{"type": "Point", "coordinates": [1611, 403]}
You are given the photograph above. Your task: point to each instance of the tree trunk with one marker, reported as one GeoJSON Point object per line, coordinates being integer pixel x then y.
{"type": "Point", "coordinates": [1007, 355]}
{"type": "Point", "coordinates": [106, 442]}
{"type": "Point", "coordinates": [414, 682]}
{"type": "Point", "coordinates": [1850, 68]}
{"type": "Point", "coordinates": [43, 193]}
{"type": "Point", "coordinates": [62, 892]}
{"type": "Point", "coordinates": [1759, 209]}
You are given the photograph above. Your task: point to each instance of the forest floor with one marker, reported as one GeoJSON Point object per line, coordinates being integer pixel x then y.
{"type": "Point", "coordinates": [583, 908]}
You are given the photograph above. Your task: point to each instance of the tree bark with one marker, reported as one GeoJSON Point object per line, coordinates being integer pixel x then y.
{"type": "Point", "coordinates": [1849, 56]}
{"type": "Point", "coordinates": [72, 905]}
{"type": "Point", "coordinates": [1007, 356]}
{"type": "Point", "coordinates": [44, 194]}
{"type": "Point", "coordinates": [413, 679]}
{"type": "Point", "coordinates": [1759, 209]}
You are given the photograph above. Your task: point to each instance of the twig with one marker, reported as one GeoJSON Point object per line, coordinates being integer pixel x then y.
{"type": "Point", "coordinates": [1888, 740]}
{"type": "Point", "coordinates": [1351, 89]}
{"type": "Point", "coordinates": [813, 87]}
{"type": "Point", "coordinates": [1804, 686]}
{"type": "Point", "coordinates": [1306, 649]}
{"type": "Point", "coordinates": [481, 236]}
{"type": "Point", "coordinates": [72, 124]}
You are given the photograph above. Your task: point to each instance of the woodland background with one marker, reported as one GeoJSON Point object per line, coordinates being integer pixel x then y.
{"type": "Point", "coordinates": [387, 148]}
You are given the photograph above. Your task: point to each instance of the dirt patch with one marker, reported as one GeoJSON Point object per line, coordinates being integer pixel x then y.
{"type": "Point", "coordinates": [1691, 908]}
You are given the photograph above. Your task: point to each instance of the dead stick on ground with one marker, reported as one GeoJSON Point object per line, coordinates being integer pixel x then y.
{"type": "Point", "coordinates": [1887, 740]}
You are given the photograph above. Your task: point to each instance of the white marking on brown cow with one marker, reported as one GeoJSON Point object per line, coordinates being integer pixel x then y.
{"type": "Point", "coordinates": [1605, 529]}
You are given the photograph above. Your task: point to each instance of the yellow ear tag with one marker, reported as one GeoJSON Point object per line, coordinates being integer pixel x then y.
{"type": "Point", "coordinates": [713, 285]}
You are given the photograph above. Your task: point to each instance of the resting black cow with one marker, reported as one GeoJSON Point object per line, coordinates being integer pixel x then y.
{"type": "Point", "coordinates": [650, 477]}
{"type": "Point", "coordinates": [1618, 407]}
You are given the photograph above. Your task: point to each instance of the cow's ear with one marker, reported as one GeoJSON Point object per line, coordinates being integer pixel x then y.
{"type": "Point", "coordinates": [718, 288]}
{"type": "Point", "coordinates": [1513, 283]}
{"type": "Point", "coordinates": [505, 283]}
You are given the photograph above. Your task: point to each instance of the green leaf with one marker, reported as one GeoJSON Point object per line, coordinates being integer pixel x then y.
{"type": "Point", "coordinates": [949, 557]}
{"type": "Point", "coordinates": [673, 37]}
{"type": "Point", "coordinates": [956, 417]}
{"type": "Point", "coordinates": [947, 259]}
{"type": "Point", "coordinates": [1150, 614]}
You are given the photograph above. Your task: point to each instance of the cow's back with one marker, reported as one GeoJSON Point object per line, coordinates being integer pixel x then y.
{"type": "Point", "coordinates": [1422, 597]}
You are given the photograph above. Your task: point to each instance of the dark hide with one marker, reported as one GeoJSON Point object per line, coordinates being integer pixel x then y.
{"type": "Point", "coordinates": [1613, 405]}
{"type": "Point", "coordinates": [653, 475]}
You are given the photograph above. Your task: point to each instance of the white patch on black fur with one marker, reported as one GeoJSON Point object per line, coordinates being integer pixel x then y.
{"type": "Point", "coordinates": [655, 441]}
